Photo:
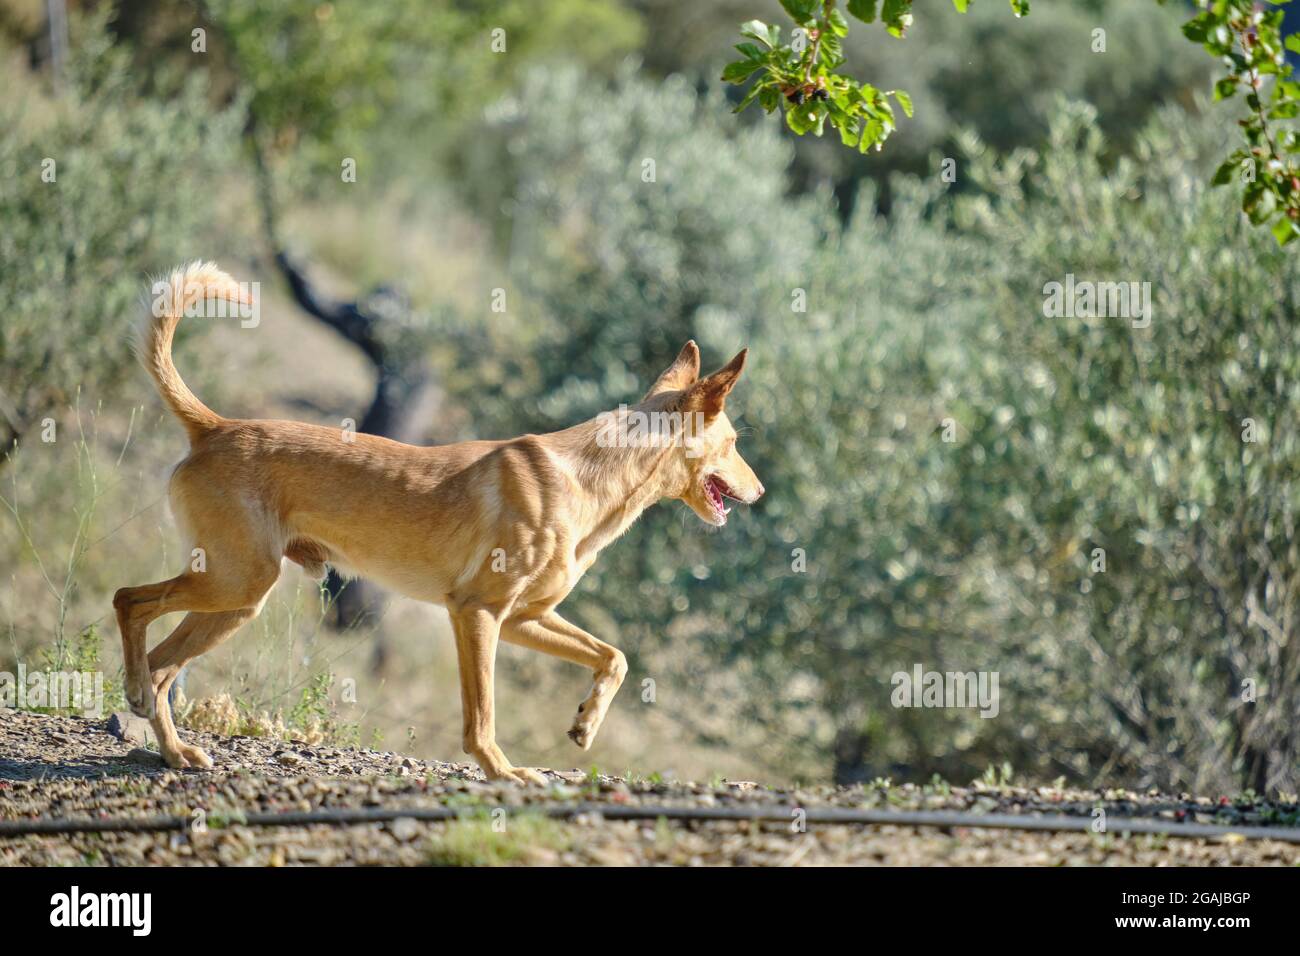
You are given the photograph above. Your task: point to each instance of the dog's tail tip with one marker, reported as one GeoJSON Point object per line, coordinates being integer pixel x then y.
{"type": "Point", "coordinates": [178, 289]}
{"type": "Point", "coordinates": [170, 298]}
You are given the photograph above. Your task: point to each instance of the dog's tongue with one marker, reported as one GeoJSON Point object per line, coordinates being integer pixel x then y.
{"type": "Point", "coordinates": [718, 489]}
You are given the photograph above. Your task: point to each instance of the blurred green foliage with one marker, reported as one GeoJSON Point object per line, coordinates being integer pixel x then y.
{"type": "Point", "coordinates": [400, 83]}
{"type": "Point", "coordinates": [84, 219]}
{"type": "Point", "coordinates": [1172, 447]}
{"type": "Point", "coordinates": [319, 72]}
{"type": "Point", "coordinates": [628, 221]}
{"type": "Point", "coordinates": [971, 554]}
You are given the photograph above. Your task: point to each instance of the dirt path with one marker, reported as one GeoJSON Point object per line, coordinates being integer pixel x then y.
{"type": "Point", "coordinates": [63, 767]}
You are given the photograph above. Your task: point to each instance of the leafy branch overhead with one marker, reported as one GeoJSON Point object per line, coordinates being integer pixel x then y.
{"type": "Point", "coordinates": [1249, 43]}
{"type": "Point", "coordinates": [802, 77]}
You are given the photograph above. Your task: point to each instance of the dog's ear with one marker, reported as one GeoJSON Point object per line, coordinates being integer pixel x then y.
{"type": "Point", "coordinates": [709, 395]}
{"type": "Point", "coordinates": [682, 374]}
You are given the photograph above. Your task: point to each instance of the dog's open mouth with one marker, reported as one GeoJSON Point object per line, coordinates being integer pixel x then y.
{"type": "Point", "coordinates": [717, 490]}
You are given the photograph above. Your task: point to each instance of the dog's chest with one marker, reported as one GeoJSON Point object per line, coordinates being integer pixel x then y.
{"type": "Point", "coordinates": [551, 584]}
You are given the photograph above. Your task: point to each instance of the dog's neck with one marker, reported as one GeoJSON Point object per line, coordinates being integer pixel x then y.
{"type": "Point", "coordinates": [618, 481]}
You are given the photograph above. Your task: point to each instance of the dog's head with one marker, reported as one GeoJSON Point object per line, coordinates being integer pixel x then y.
{"type": "Point", "coordinates": [706, 469]}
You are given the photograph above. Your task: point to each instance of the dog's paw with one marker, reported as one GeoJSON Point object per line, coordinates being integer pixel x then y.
{"type": "Point", "coordinates": [527, 776]}
{"type": "Point", "coordinates": [140, 701]}
{"type": "Point", "coordinates": [198, 757]}
{"type": "Point", "coordinates": [521, 775]}
{"type": "Point", "coordinates": [188, 757]}
{"type": "Point", "coordinates": [587, 721]}
{"type": "Point", "coordinates": [582, 735]}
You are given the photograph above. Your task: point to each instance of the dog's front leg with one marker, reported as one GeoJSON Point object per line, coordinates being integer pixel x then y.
{"type": "Point", "coordinates": [476, 650]}
{"type": "Point", "coordinates": [552, 634]}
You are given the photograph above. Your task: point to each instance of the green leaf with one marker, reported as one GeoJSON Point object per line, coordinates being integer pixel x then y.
{"type": "Point", "coordinates": [839, 25]}
{"type": "Point", "coordinates": [1228, 169]}
{"type": "Point", "coordinates": [961, 5]}
{"type": "Point", "coordinates": [904, 101]}
{"type": "Point", "coordinates": [864, 10]}
{"type": "Point", "coordinates": [753, 94]}
{"type": "Point", "coordinates": [1285, 230]}
{"type": "Point", "coordinates": [822, 113]}
{"type": "Point", "coordinates": [750, 51]}
{"type": "Point", "coordinates": [801, 119]}
{"type": "Point", "coordinates": [872, 134]}
{"type": "Point", "coordinates": [1258, 203]}
{"type": "Point", "coordinates": [1225, 88]}
{"type": "Point", "coordinates": [896, 16]}
{"type": "Point", "coordinates": [1020, 7]}
{"type": "Point", "coordinates": [830, 52]}
{"type": "Point", "coordinates": [801, 11]}
{"type": "Point", "coordinates": [740, 71]}
{"type": "Point", "coordinates": [1197, 29]}
{"type": "Point", "coordinates": [759, 30]}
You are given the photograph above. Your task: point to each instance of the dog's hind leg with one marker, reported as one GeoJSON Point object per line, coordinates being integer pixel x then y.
{"type": "Point", "coordinates": [552, 634]}
{"type": "Point", "coordinates": [136, 607]}
{"type": "Point", "coordinates": [225, 586]}
{"type": "Point", "coordinates": [197, 634]}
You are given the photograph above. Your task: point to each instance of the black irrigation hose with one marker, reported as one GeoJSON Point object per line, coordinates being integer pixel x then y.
{"type": "Point", "coordinates": [344, 816]}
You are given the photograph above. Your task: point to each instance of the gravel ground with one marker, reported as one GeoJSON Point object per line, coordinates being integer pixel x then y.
{"type": "Point", "coordinates": [75, 767]}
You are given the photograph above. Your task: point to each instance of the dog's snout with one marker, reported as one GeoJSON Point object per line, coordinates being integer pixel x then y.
{"type": "Point", "coordinates": [758, 492]}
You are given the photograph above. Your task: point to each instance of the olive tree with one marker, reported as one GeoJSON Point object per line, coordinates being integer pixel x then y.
{"type": "Point", "coordinates": [84, 220]}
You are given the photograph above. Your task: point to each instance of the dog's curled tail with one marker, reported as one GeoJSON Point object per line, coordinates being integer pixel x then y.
{"type": "Point", "coordinates": [187, 290]}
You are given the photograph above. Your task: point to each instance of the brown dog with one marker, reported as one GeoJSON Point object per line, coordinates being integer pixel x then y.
{"type": "Point", "coordinates": [498, 532]}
